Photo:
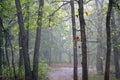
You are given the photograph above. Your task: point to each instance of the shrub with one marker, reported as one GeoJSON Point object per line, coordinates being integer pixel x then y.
{"type": "Point", "coordinates": [43, 70]}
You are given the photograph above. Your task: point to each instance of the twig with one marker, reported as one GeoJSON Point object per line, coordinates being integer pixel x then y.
{"type": "Point", "coordinates": [87, 1]}
{"type": "Point", "coordinates": [59, 1]}
{"type": "Point", "coordinates": [59, 8]}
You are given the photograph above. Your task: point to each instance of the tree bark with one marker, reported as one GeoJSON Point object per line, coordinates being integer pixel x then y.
{"type": "Point", "coordinates": [20, 53]}
{"type": "Point", "coordinates": [75, 71]}
{"type": "Point", "coordinates": [37, 41]}
{"type": "Point", "coordinates": [1, 45]}
{"type": "Point", "coordinates": [83, 41]}
{"type": "Point", "coordinates": [27, 30]}
{"type": "Point", "coordinates": [13, 60]}
{"type": "Point", "coordinates": [108, 33]}
{"type": "Point", "coordinates": [115, 46]}
{"type": "Point", "coordinates": [99, 60]}
{"type": "Point", "coordinates": [23, 33]}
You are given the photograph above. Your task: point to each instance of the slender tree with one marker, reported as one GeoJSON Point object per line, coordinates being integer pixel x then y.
{"type": "Point", "coordinates": [115, 46]}
{"type": "Point", "coordinates": [99, 60]}
{"type": "Point", "coordinates": [23, 34]}
{"type": "Point", "coordinates": [1, 45]}
{"type": "Point", "coordinates": [108, 33]}
{"type": "Point", "coordinates": [13, 58]}
{"type": "Point", "coordinates": [27, 30]}
{"type": "Point", "coordinates": [20, 52]}
{"type": "Point", "coordinates": [74, 41]}
{"type": "Point", "coordinates": [83, 41]}
{"type": "Point", "coordinates": [37, 40]}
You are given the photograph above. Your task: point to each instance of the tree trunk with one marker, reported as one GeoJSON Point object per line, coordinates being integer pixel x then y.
{"type": "Point", "coordinates": [50, 40]}
{"type": "Point", "coordinates": [27, 30]}
{"type": "Point", "coordinates": [59, 52]}
{"type": "Point", "coordinates": [1, 45]}
{"type": "Point", "coordinates": [83, 41]}
{"type": "Point", "coordinates": [115, 46]}
{"type": "Point", "coordinates": [75, 71]}
{"type": "Point", "coordinates": [108, 33]}
{"type": "Point", "coordinates": [23, 33]}
{"type": "Point", "coordinates": [116, 62]}
{"type": "Point", "coordinates": [27, 26]}
{"type": "Point", "coordinates": [20, 53]}
{"type": "Point", "coordinates": [13, 60]}
{"type": "Point", "coordinates": [6, 50]}
{"type": "Point", "coordinates": [37, 41]}
{"type": "Point", "coordinates": [99, 60]}
{"type": "Point", "coordinates": [49, 57]}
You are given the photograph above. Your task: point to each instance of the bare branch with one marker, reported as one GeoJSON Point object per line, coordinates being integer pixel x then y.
{"type": "Point", "coordinates": [59, 1]}
{"type": "Point", "coordinates": [59, 8]}
{"type": "Point", "coordinates": [87, 1]}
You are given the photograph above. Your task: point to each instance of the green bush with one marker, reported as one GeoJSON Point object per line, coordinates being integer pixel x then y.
{"type": "Point", "coordinates": [20, 72]}
{"type": "Point", "coordinates": [8, 72]}
{"type": "Point", "coordinates": [43, 70]}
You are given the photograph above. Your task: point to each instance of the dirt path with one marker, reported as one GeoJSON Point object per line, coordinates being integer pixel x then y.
{"type": "Point", "coordinates": [64, 73]}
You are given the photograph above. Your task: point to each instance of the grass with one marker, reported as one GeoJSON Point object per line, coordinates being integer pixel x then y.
{"type": "Point", "coordinates": [101, 78]}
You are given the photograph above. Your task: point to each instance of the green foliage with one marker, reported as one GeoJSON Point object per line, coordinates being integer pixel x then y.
{"type": "Point", "coordinates": [7, 10]}
{"type": "Point", "coordinates": [20, 72]}
{"type": "Point", "coordinates": [8, 72]}
{"type": "Point", "coordinates": [5, 72]}
{"type": "Point", "coordinates": [43, 70]}
{"type": "Point", "coordinates": [101, 78]}
{"type": "Point", "coordinates": [118, 12]}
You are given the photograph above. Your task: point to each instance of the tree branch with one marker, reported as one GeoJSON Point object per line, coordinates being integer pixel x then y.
{"type": "Point", "coordinates": [59, 8]}
{"type": "Point", "coordinates": [87, 1]}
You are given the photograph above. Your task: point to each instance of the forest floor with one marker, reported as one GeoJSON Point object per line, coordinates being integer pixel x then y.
{"type": "Point", "coordinates": [65, 72]}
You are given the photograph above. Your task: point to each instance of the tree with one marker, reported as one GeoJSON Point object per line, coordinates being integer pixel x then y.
{"type": "Point", "coordinates": [74, 41]}
{"type": "Point", "coordinates": [27, 30]}
{"type": "Point", "coordinates": [20, 52]}
{"type": "Point", "coordinates": [108, 33]}
{"type": "Point", "coordinates": [37, 41]}
{"type": "Point", "coordinates": [83, 41]}
{"type": "Point", "coordinates": [23, 34]}
{"type": "Point", "coordinates": [1, 45]}
{"type": "Point", "coordinates": [99, 60]}
{"type": "Point", "coordinates": [115, 45]}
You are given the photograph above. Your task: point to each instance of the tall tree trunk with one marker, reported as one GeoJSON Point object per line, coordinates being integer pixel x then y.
{"type": "Point", "coordinates": [59, 52]}
{"type": "Point", "coordinates": [37, 41]}
{"type": "Point", "coordinates": [27, 26]}
{"type": "Point", "coordinates": [20, 52]}
{"type": "Point", "coordinates": [83, 41]}
{"type": "Point", "coordinates": [6, 50]}
{"type": "Point", "coordinates": [23, 33]}
{"type": "Point", "coordinates": [1, 45]}
{"type": "Point", "coordinates": [115, 46]}
{"type": "Point", "coordinates": [50, 39]}
{"type": "Point", "coordinates": [99, 60]}
{"type": "Point", "coordinates": [27, 30]}
{"type": "Point", "coordinates": [75, 71]}
{"type": "Point", "coordinates": [49, 57]}
{"type": "Point", "coordinates": [13, 60]}
{"type": "Point", "coordinates": [108, 33]}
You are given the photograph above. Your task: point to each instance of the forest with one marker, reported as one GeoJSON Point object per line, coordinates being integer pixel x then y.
{"type": "Point", "coordinates": [59, 39]}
